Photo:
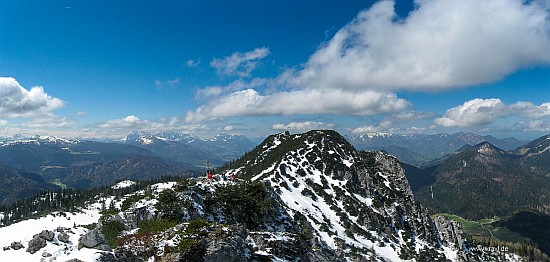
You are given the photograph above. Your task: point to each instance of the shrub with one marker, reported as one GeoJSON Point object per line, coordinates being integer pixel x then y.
{"type": "Point", "coordinates": [246, 202]}
{"type": "Point", "coordinates": [195, 227]}
{"type": "Point", "coordinates": [111, 230]}
{"type": "Point", "coordinates": [169, 205]}
{"type": "Point", "coordinates": [130, 200]}
{"type": "Point", "coordinates": [184, 184]}
{"type": "Point", "coordinates": [191, 249]}
{"type": "Point", "coordinates": [156, 225]}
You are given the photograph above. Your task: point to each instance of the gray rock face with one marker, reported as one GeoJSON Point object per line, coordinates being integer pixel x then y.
{"type": "Point", "coordinates": [452, 235]}
{"type": "Point", "coordinates": [135, 216]}
{"type": "Point", "coordinates": [227, 249]}
{"type": "Point", "coordinates": [46, 234]}
{"type": "Point", "coordinates": [450, 231]}
{"type": "Point", "coordinates": [36, 244]}
{"type": "Point", "coordinates": [63, 237]}
{"type": "Point", "coordinates": [95, 239]}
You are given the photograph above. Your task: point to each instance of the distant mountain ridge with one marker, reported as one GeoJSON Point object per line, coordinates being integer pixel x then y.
{"type": "Point", "coordinates": [421, 149]}
{"type": "Point", "coordinates": [186, 148]}
{"type": "Point", "coordinates": [16, 185]}
{"type": "Point", "coordinates": [483, 180]}
{"type": "Point", "coordinates": [84, 163]}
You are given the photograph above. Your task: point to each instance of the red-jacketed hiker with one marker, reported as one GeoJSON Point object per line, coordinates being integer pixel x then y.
{"type": "Point", "coordinates": [232, 177]}
{"type": "Point", "coordinates": [209, 176]}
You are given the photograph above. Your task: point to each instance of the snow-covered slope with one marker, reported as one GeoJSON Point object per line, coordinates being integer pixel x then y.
{"type": "Point", "coordinates": [55, 250]}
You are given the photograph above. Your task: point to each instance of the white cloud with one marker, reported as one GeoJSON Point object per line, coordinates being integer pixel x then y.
{"type": "Point", "coordinates": [210, 91]}
{"type": "Point", "coordinates": [475, 112]}
{"type": "Point", "coordinates": [302, 126]}
{"type": "Point", "coordinates": [50, 122]}
{"type": "Point", "coordinates": [192, 63]}
{"type": "Point", "coordinates": [534, 125]}
{"type": "Point", "coordinates": [366, 129]}
{"type": "Point", "coordinates": [3, 122]}
{"type": "Point", "coordinates": [412, 116]}
{"type": "Point", "coordinates": [528, 109]}
{"type": "Point", "coordinates": [16, 101]}
{"type": "Point", "coordinates": [239, 64]}
{"type": "Point", "coordinates": [167, 84]}
{"type": "Point", "coordinates": [132, 122]}
{"type": "Point", "coordinates": [440, 45]}
{"type": "Point", "coordinates": [250, 103]}
{"type": "Point", "coordinates": [228, 128]}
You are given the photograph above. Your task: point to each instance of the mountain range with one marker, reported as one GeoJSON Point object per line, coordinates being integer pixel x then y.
{"type": "Point", "coordinates": [303, 197]}
{"type": "Point", "coordinates": [483, 180]}
{"type": "Point", "coordinates": [45, 162]}
{"type": "Point", "coordinates": [424, 150]}
{"type": "Point", "coordinates": [189, 149]}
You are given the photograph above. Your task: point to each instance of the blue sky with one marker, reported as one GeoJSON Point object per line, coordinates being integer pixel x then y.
{"type": "Point", "coordinates": [105, 68]}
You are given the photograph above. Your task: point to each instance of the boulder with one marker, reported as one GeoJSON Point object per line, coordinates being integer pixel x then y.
{"type": "Point", "coordinates": [16, 245]}
{"type": "Point", "coordinates": [36, 244]}
{"type": "Point", "coordinates": [63, 237]}
{"type": "Point", "coordinates": [46, 234]}
{"type": "Point", "coordinates": [95, 239]}
{"type": "Point", "coordinates": [135, 215]}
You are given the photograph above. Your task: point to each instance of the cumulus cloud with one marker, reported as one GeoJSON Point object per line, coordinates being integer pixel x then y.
{"type": "Point", "coordinates": [530, 110]}
{"type": "Point", "coordinates": [16, 101]}
{"type": "Point", "coordinates": [251, 103]}
{"type": "Point", "coordinates": [477, 112]}
{"type": "Point", "coordinates": [239, 84]}
{"type": "Point", "coordinates": [366, 129]}
{"type": "Point", "coordinates": [130, 121]}
{"type": "Point", "coordinates": [133, 122]}
{"type": "Point", "coordinates": [302, 126]}
{"type": "Point", "coordinates": [534, 125]}
{"type": "Point", "coordinates": [239, 64]}
{"type": "Point", "coordinates": [440, 45]}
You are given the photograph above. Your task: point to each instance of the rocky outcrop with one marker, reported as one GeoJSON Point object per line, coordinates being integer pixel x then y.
{"type": "Point", "coordinates": [451, 234]}
{"type": "Point", "coordinates": [39, 241]}
{"type": "Point", "coordinates": [47, 235]}
{"type": "Point", "coordinates": [36, 244]}
{"type": "Point", "coordinates": [63, 237]}
{"type": "Point", "coordinates": [94, 239]}
{"type": "Point", "coordinates": [230, 248]}
{"type": "Point", "coordinates": [135, 215]}
{"type": "Point", "coordinates": [14, 245]}
{"type": "Point", "coordinates": [121, 255]}
{"type": "Point", "coordinates": [450, 231]}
